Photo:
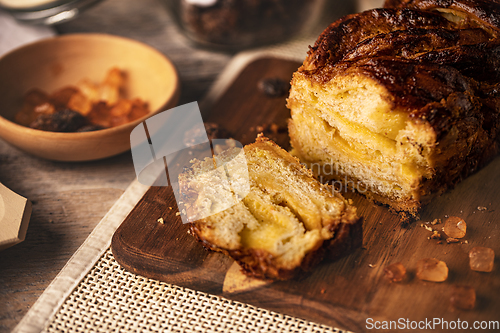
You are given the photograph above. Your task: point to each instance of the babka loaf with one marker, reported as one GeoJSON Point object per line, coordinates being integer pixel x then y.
{"type": "Point", "coordinates": [286, 223]}
{"type": "Point", "coordinates": [402, 102]}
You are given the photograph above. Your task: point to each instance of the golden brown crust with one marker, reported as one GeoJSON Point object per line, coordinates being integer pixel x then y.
{"type": "Point", "coordinates": [485, 12]}
{"type": "Point", "coordinates": [259, 263]}
{"type": "Point", "coordinates": [410, 44]}
{"type": "Point", "coordinates": [345, 33]}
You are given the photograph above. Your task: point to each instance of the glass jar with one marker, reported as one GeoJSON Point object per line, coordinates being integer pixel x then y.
{"type": "Point", "coordinates": [238, 24]}
{"type": "Point", "coordinates": [45, 11]}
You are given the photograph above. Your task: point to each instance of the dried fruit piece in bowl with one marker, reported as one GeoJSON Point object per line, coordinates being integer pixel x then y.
{"type": "Point", "coordinates": [102, 104]}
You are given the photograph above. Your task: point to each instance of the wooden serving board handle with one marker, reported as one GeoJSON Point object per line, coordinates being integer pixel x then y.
{"type": "Point", "coordinates": [15, 213]}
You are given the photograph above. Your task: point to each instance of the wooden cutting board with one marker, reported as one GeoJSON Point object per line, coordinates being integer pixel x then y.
{"type": "Point", "coordinates": [351, 293]}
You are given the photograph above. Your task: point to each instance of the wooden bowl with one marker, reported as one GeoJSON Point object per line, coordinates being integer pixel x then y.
{"type": "Point", "coordinates": [53, 63]}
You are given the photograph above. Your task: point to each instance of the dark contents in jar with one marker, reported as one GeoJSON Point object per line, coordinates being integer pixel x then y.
{"type": "Point", "coordinates": [242, 23]}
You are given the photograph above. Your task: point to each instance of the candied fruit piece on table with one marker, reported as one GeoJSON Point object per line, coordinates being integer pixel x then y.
{"type": "Point", "coordinates": [455, 227]}
{"type": "Point", "coordinates": [61, 121]}
{"type": "Point", "coordinates": [463, 297]}
{"type": "Point", "coordinates": [431, 269]}
{"type": "Point", "coordinates": [481, 259]}
{"type": "Point", "coordinates": [395, 272]}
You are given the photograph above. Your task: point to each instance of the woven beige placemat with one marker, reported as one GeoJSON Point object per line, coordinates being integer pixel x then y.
{"type": "Point", "coordinates": [111, 299]}
{"type": "Point", "coordinates": [82, 261]}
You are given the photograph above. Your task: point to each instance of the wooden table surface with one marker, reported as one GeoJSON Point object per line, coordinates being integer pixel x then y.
{"type": "Point", "coordinates": [69, 199]}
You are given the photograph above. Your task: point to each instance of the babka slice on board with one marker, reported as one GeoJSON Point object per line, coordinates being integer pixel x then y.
{"type": "Point", "coordinates": [286, 223]}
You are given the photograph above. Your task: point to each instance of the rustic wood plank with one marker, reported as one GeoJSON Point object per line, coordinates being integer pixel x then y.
{"type": "Point", "coordinates": [342, 293]}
